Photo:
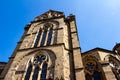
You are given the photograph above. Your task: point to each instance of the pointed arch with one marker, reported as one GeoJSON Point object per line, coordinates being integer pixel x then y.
{"type": "Point", "coordinates": [43, 38]}
{"type": "Point", "coordinates": [92, 70]}
{"type": "Point", "coordinates": [37, 39]}
{"type": "Point", "coordinates": [49, 36]}
{"type": "Point", "coordinates": [28, 73]}
{"type": "Point", "coordinates": [46, 31]}
{"type": "Point", "coordinates": [35, 74]}
{"type": "Point", "coordinates": [41, 60]}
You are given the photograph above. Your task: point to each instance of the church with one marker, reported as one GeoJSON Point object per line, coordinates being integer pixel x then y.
{"type": "Point", "coordinates": [49, 50]}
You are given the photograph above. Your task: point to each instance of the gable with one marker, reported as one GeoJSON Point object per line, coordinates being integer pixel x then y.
{"type": "Point", "coordinates": [99, 53]}
{"type": "Point", "coordinates": [49, 14]}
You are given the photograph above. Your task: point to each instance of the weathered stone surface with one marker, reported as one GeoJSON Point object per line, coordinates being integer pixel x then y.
{"type": "Point", "coordinates": [52, 39]}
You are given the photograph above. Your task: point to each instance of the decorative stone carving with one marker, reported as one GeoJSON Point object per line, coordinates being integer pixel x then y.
{"type": "Point", "coordinates": [49, 14]}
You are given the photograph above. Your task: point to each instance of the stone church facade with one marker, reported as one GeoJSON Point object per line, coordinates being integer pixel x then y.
{"type": "Point", "coordinates": [49, 50]}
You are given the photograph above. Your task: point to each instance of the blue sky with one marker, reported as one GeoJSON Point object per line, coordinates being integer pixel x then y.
{"type": "Point", "coordinates": [98, 21]}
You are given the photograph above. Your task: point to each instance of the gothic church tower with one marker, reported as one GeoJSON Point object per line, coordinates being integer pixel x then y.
{"type": "Point", "coordinates": [48, 50]}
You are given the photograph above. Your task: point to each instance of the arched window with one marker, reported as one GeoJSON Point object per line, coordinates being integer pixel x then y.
{"type": "Point", "coordinates": [44, 35]}
{"type": "Point", "coordinates": [47, 34]}
{"type": "Point", "coordinates": [35, 75]}
{"type": "Point", "coordinates": [49, 37]}
{"type": "Point", "coordinates": [44, 71]}
{"type": "Point", "coordinates": [38, 68]}
{"type": "Point", "coordinates": [43, 38]}
{"type": "Point", "coordinates": [29, 70]}
{"type": "Point", "coordinates": [37, 39]}
{"type": "Point", "coordinates": [92, 71]}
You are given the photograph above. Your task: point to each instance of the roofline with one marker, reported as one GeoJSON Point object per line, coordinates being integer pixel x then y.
{"type": "Point", "coordinates": [3, 62]}
{"type": "Point", "coordinates": [116, 46]}
{"type": "Point", "coordinates": [48, 11]}
{"type": "Point", "coordinates": [100, 49]}
{"type": "Point", "coordinates": [55, 11]}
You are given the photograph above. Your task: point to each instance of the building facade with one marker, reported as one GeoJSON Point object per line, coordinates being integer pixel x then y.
{"type": "Point", "coordinates": [49, 50]}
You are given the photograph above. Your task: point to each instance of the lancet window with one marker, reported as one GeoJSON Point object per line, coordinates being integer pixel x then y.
{"type": "Point", "coordinates": [44, 71]}
{"type": "Point", "coordinates": [35, 74]}
{"type": "Point", "coordinates": [29, 70]}
{"type": "Point", "coordinates": [44, 36]}
{"type": "Point", "coordinates": [37, 69]}
{"type": "Point", "coordinates": [37, 39]}
{"type": "Point", "coordinates": [49, 36]}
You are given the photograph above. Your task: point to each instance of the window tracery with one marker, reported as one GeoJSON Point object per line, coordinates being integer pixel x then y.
{"type": "Point", "coordinates": [92, 71]}
{"type": "Point", "coordinates": [38, 67]}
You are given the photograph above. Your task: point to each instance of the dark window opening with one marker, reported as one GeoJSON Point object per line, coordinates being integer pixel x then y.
{"type": "Point", "coordinates": [29, 70]}
{"type": "Point", "coordinates": [49, 37]}
{"type": "Point", "coordinates": [35, 75]}
{"type": "Point", "coordinates": [44, 71]}
{"type": "Point", "coordinates": [97, 75]}
{"type": "Point", "coordinates": [43, 38]}
{"type": "Point", "coordinates": [37, 39]}
{"type": "Point", "coordinates": [88, 77]}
